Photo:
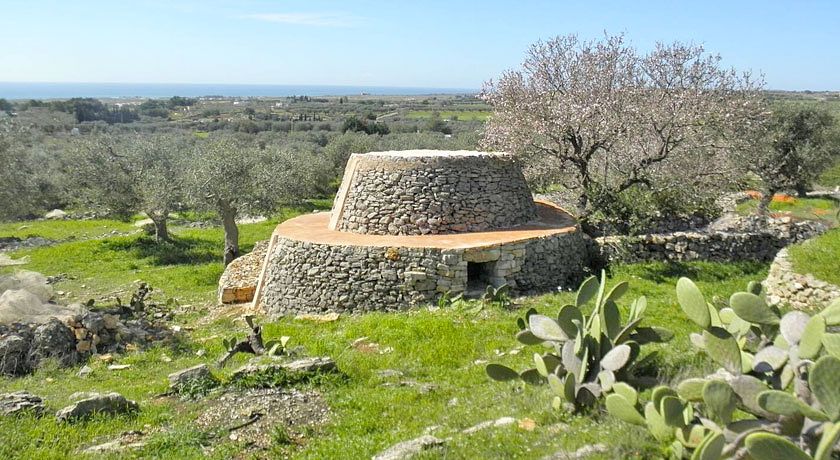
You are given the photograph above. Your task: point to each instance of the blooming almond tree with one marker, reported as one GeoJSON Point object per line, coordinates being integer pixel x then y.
{"type": "Point", "coordinates": [602, 119]}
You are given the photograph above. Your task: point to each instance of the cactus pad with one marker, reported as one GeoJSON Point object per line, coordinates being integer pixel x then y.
{"type": "Point", "coordinates": [723, 349]}
{"type": "Point", "coordinates": [692, 303]}
{"type": "Point", "coordinates": [753, 308]}
{"type": "Point", "coordinates": [823, 379]}
{"type": "Point", "coordinates": [768, 446]}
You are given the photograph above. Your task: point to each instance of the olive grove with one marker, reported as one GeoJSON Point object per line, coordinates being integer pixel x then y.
{"type": "Point", "coordinates": [235, 178]}
{"type": "Point", "coordinates": [124, 174]}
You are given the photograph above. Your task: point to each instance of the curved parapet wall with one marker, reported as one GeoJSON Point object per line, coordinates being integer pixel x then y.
{"type": "Point", "coordinates": [420, 192]}
{"type": "Point", "coordinates": [312, 269]}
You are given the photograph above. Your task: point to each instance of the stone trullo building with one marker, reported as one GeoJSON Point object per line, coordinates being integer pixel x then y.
{"type": "Point", "coordinates": [408, 226]}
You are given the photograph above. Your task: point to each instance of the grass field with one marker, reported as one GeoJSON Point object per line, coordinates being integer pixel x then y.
{"type": "Point", "coordinates": [461, 115]}
{"type": "Point", "coordinates": [444, 347]}
{"type": "Point", "coordinates": [62, 230]}
{"type": "Point", "coordinates": [819, 257]}
{"type": "Point", "coordinates": [822, 209]}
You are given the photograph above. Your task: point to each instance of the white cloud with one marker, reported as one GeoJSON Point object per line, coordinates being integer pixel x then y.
{"type": "Point", "coordinates": [306, 19]}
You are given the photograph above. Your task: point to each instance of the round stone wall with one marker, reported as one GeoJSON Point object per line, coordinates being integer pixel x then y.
{"type": "Point", "coordinates": [305, 277]}
{"type": "Point", "coordinates": [419, 192]}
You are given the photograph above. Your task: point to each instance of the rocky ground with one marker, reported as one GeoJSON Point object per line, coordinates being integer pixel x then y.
{"type": "Point", "coordinates": [262, 417]}
{"type": "Point", "coordinates": [33, 328]}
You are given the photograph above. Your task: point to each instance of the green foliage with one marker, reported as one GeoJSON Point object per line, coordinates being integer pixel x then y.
{"type": "Point", "coordinates": [762, 355]}
{"type": "Point", "coordinates": [90, 109]}
{"type": "Point", "coordinates": [280, 436]}
{"type": "Point", "coordinates": [6, 106]}
{"type": "Point", "coordinates": [447, 300]}
{"type": "Point", "coordinates": [802, 143]}
{"type": "Point", "coordinates": [830, 177]}
{"type": "Point", "coordinates": [591, 354]}
{"type": "Point", "coordinates": [497, 296]}
{"type": "Point", "coordinates": [365, 125]}
{"type": "Point", "coordinates": [196, 388]}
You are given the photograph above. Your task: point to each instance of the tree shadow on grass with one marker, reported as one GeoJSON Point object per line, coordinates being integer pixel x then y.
{"type": "Point", "coordinates": [712, 272]}
{"type": "Point", "coordinates": [181, 250]}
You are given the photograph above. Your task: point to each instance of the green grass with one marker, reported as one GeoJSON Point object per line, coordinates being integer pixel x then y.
{"type": "Point", "coordinates": [819, 256]}
{"type": "Point", "coordinates": [61, 230]}
{"type": "Point", "coordinates": [446, 347]}
{"type": "Point", "coordinates": [101, 267]}
{"type": "Point", "coordinates": [822, 209]}
{"type": "Point", "coordinates": [462, 115]}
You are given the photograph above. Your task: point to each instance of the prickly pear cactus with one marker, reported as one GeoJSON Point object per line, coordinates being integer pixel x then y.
{"type": "Point", "coordinates": [780, 371]}
{"type": "Point", "coordinates": [591, 355]}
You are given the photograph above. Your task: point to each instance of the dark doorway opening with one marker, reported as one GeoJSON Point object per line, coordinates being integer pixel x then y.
{"type": "Point", "coordinates": [479, 276]}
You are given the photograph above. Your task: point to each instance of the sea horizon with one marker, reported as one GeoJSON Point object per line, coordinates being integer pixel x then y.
{"type": "Point", "coordinates": [58, 90]}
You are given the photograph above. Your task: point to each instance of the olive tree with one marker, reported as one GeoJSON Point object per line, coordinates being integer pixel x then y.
{"type": "Point", "coordinates": [234, 177]}
{"type": "Point", "coordinates": [798, 144]}
{"type": "Point", "coordinates": [17, 187]}
{"type": "Point", "coordinates": [603, 119]}
{"type": "Point", "coordinates": [128, 173]}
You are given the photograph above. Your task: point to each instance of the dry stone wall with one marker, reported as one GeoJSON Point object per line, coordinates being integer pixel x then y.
{"type": "Point", "coordinates": [723, 246]}
{"type": "Point", "coordinates": [427, 192]}
{"type": "Point", "coordinates": [785, 286]}
{"type": "Point", "coordinates": [313, 278]}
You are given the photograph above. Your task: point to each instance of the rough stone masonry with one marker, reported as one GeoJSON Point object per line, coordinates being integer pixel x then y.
{"type": "Point", "coordinates": [407, 227]}
{"type": "Point", "coordinates": [423, 192]}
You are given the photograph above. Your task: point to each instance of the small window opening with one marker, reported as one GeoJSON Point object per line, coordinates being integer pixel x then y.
{"type": "Point", "coordinates": [479, 275]}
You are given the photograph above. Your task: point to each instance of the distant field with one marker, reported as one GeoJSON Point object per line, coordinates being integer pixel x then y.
{"type": "Point", "coordinates": [462, 115]}
{"type": "Point", "coordinates": [822, 209]}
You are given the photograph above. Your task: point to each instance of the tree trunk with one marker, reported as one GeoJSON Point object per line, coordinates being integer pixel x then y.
{"type": "Point", "coordinates": [159, 219]}
{"type": "Point", "coordinates": [801, 190]}
{"type": "Point", "coordinates": [764, 203]}
{"type": "Point", "coordinates": [228, 213]}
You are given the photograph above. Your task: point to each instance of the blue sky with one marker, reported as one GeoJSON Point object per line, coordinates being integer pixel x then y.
{"type": "Point", "coordinates": [430, 43]}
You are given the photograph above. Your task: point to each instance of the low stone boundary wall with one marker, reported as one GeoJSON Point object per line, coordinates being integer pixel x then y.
{"type": "Point", "coordinates": [715, 246]}
{"type": "Point", "coordinates": [785, 286]}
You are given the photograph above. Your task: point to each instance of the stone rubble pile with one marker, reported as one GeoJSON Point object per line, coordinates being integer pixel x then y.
{"type": "Point", "coordinates": [11, 243]}
{"type": "Point", "coordinates": [33, 329]}
{"type": "Point", "coordinates": [24, 346]}
{"type": "Point", "coordinates": [239, 280]}
{"type": "Point", "coordinates": [21, 402]}
{"type": "Point", "coordinates": [109, 404]}
{"type": "Point", "coordinates": [87, 405]}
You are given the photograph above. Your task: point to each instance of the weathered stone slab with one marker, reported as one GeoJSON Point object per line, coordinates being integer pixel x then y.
{"type": "Point", "coordinates": [110, 404]}
{"type": "Point", "coordinates": [408, 449]}
{"type": "Point", "coordinates": [21, 402]}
